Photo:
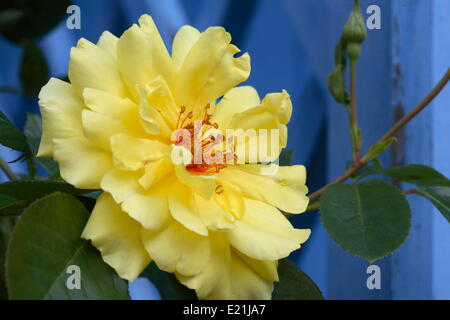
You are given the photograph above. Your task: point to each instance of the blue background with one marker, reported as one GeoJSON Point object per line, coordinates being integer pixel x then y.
{"type": "Point", "coordinates": [291, 44]}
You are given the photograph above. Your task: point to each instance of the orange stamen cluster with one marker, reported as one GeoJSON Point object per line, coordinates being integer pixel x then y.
{"type": "Point", "coordinates": [206, 144]}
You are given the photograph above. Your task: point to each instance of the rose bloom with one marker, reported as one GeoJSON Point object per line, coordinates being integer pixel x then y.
{"type": "Point", "coordinates": [217, 226]}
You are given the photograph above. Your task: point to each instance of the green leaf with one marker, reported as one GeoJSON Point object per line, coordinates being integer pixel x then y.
{"type": "Point", "coordinates": [417, 174]}
{"type": "Point", "coordinates": [6, 228]}
{"type": "Point", "coordinates": [286, 157]}
{"type": "Point", "coordinates": [45, 242]}
{"type": "Point", "coordinates": [439, 196]}
{"type": "Point", "coordinates": [367, 170]}
{"type": "Point", "coordinates": [294, 284]}
{"type": "Point", "coordinates": [33, 69]}
{"type": "Point", "coordinates": [369, 220]}
{"type": "Point", "coordinates": [168, 286]}
{"type": "Point", "coordinates": [31, 19]}
{"type": "Point", "coordinates": [25, 192]}
{"type": "Point", "coordinates": [33, 132]}
{"type": "Point", "coordinates": [412, 173]}
{"type": "Point", "coordinates": [377, 149]}
{"type": "Point", "coordinates": [12, 137]}
{"type": "Point", "coordinates": [8, 17]}
{"type": "Point", "coordinates": [7, 201]}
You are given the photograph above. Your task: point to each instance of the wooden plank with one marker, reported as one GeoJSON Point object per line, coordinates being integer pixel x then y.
{"type": "Point", "coordinates": [440, 233]}
{"type": "Point", "coordinates": [348, 274]}
{"type": "Point", "coordinates": [411, 62]}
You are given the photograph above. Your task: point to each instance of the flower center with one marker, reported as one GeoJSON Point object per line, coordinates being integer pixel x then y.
{"type": "Point", "coordinates": [211, 151]}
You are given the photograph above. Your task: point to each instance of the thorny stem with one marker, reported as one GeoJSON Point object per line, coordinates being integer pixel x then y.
{"type": "Point", "coordinates": [422, 105]}
{"type": "Point", "coordinates": [410, 191]}
{"type": "Point", "coordinates": [7, 170]}
{"type": "Point", "coordinates": [354, 127]}
{"type": "Point", "coordinates": [31, 168]}
{"type": "Point", "coordinates": [358, 165]}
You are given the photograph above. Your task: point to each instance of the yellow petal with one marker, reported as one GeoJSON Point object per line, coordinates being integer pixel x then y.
{"type": "Point", "coordinates": [151, 114]}
{"type": "Point", "coordinates": [254, 118]}
{"type": "Point", "coordinates": [80, 162]}
{"type": "Point", "coordinates": [181, 204]}
{"type": "Point", "coordinates": [99, 128]}
{"type": "Point", "coordinates": [280, 104]}
{"type": "Point", "coordinates": [266, 269]}
{"type": "Point", "coordinates": [283, 135]}
{"type": "Point", "coordinates": [268, 122]}
{"type": "Point", "coordinates": [134, 153]}
{"type": "Point", "coordinates": [160, 97]}
{"type": "Point", "coordinates": [121, 184]}
{"type": "Point", "coordinates": [142, 55]}
{"type": "Point", "coordinates": [212, 214]}
{"type": "Point", "coordinates": [117, 236]}
{"type": "Point", "coordinates": [155, 171]}
{"type": "Point", "coordinates": [210, 70]}
{"type": "Point", "coordinates": [214, 282]}
{"type": "Point", "coordinates": [163, 59]}
{"type": "Point", "coordinates": [92, 67]}
{"type": "Point", "coordinates": [229, 197]}
{"type": "Point", "coordinates": [282, 187]}
{"type": "Point", "coordinates": [121, 109]}
{"type": "Point", "coordinates": [258, 137]}
{"type": "Point", "coordinates": [61, 114]}
{"type": "Point", "coordinates": [246, 283]}
{"type": "Point", "coordinates": [234, 101]}
{"type": "Point", "coordinates": [150, 207]}
{"type": "Point", "coordinates": [201, 184]}
{"type": "Point", "coordinates": [108, 42]}
{"type": "Point", "coordinates": [264, 233]}
{"type": "Point", "coordinates": [185, 38]}
{"type": "Point", "coordinates": [176, 249]}
{"type": "Point", "coordinates": [228, 276]}
{"type": "Point", "coordinates": [277, 104]}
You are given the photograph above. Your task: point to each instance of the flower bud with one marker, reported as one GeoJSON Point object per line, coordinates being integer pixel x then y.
{"type": "Point", "coordinates": [354, 32]}
{"type": "Point", "coordinates": [353, 50]}
{"type": "Point", "coordinates": [354, 29]}
{"type": "Point", "coordinates": [336, 84]}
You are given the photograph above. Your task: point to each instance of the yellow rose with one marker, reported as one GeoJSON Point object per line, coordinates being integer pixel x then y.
{"type": "Point", "coordinates": [217, 226]}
